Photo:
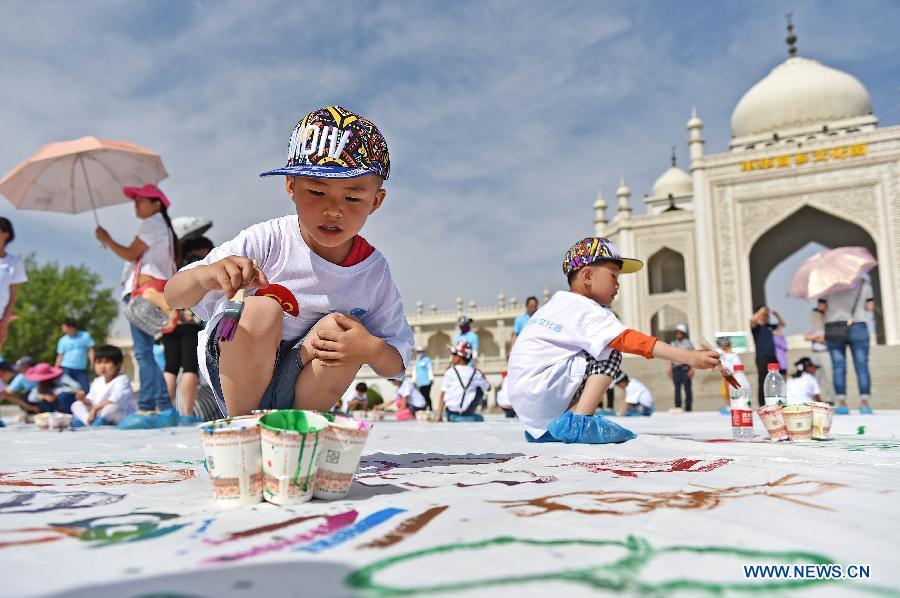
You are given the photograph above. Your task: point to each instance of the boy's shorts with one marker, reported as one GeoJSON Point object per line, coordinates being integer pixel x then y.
{"type": "Point", "coordinates": [611, 366]}
{"type": "Point", "coordinates": [279, 393]}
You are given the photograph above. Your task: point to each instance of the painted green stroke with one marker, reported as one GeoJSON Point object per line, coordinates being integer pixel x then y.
{"type": "Point", "coordinates": [623, 575]}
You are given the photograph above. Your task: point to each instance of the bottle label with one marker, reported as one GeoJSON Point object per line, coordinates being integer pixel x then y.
{"type": "Point", "coordinates": [741, 418]}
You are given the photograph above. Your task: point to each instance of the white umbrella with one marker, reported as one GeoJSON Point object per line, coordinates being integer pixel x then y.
{"type": "Point", "coordinates": [187, 227]}
{"type": "Point", "coordinates": [80, 175]}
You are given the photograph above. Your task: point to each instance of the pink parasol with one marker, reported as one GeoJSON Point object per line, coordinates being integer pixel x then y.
{"type": "Point", "coordinates": [830, 271]}
{"type": "Point", "coordinates": [80, 175]}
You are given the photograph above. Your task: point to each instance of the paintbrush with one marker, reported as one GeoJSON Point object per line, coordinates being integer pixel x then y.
{"type": "Point", "coordinates": [228, 325]}
{"type": "Point", "coordinates": [729, 377]}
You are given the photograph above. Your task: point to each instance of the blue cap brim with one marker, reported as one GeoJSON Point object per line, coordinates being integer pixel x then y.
{"type": "Point", "coordinates": [320, 172]}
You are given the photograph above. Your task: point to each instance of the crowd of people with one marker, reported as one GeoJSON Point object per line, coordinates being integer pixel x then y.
{"type": "Point", "coordinates": [322, 303]}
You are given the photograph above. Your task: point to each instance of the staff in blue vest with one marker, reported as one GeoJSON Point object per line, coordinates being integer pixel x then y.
{"type": "Point", "coordinates": [467, 335]}
{"type": "Point", "coordinates": [424, 375]}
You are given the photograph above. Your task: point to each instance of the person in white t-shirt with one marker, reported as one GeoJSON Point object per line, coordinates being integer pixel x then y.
{"type": "Point", "coordinates": [152, 254]}
{"type": "Point", "coordinates": [802, 386]}
{"type": "Point", "coordinates": [570, 351]}
{"type": "Point", "coordinates": [638, 400]}
{"type": "Point", "coordinates": [407, 396]}
{"type": "Point", "coordinates": [729, 359]}
{"type": "Point", "coordinates": [110, 398]}
{"type": "Point", "coordinates": [12, 274]}
{"type": "Point", "coordinates": [323, 302]}
{"type": "Point", "coordinates": [463, 388]}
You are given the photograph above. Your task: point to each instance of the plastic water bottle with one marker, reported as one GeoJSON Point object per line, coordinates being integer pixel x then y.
{"type": "Point", "coordinates": [741, 405]}
{"type": "Point", "coordinates": [774, 389]}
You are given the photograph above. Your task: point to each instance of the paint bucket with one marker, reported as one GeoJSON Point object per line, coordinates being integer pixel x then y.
{"type": "Point", "coordinates": [772, 417]}
{"type": "Point", "coordinates": [425, 416]}
{"type": "Point", "coordinates": [342, 447]}
{"type": "Point", "coordinates": [291, 440]}
{"type": "Point", "coordinates": [234, 460]}
{"type": "Point", "coordinates": [358, 414]}
{"type": "Point", "coordinates": [375, 415]}
{"type": "Point", "coordinates": [821, 423]}
{"type": "Point", "coordinates": [60, 421]}
{"type": "Point", "coordinates": [42, 421]}
{"type": "Point", "coordinates": [798, 421]}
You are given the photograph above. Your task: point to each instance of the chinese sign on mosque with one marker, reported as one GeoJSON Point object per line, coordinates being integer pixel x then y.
{"type": "Point", "coordinates": [801, 158]}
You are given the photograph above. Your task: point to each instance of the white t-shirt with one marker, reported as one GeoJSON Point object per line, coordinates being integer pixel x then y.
{"type": "Point", "coordinates": [460, 386]}
{"type": "Point", "coordinates": [803, 389]}
{"type": "Point", "coordinates": [118, 390]}
{"type": "Point", "coordinates": [412, 395]}
{"type": "Point", "coordinates": [547, 363]}
{"type": "Point", "coordinates": [840, 304]}
{"type": "Point", "coordinates": [636, 393]}
{"type": "Point", "coordinates": [12, 271]}
{"type": "Point", "coordinates": [310, 287]}
{"type": "Point", "coordinates": [157, 261]}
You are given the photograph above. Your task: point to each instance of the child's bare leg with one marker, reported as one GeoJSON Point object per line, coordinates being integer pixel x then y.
{"type": "Point", "coordinates": [246, 363]}
{"type": "Point", "coordinates": [592, 394]}
{"type": "Point", "coordinates": [319, 386]}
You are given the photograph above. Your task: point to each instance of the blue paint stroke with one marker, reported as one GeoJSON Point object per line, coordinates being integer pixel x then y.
{"type": "Point", "coordinates": [350, 532]}
{"type": "Point", "coordinates": [203, 526]}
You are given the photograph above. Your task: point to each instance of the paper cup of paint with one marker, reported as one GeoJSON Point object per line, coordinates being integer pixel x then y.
{"type": "Point", "coordinates": [425, 416]}
{"type": "Point", "coordinates": [42, 421]}
{"type": "Point", "coordinates": [772, 417]}
{"type": "Point", "coordinates": [234, 460]}
{"type": "Point", "coordinates": [798, 421]}
{"type": "Point", "coordinates": [358, 414]}
{"type": "Point", "coordinates": [341, 450]}
{"type": "Point", "coordinates": [821, 422]}
{"type": "Point", "coordinates": [376, 415]}
{"type": "Point", "coordinates": [291, 442]}
{"type": "Point", "coordinates": [60, 421]}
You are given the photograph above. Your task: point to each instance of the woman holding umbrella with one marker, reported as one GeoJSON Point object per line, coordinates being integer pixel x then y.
{"type": "Point", "coordinates": [153, 254]}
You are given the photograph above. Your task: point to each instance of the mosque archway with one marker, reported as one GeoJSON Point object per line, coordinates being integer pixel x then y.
{"type": "Point", "coordinates": [437, 345]}
{"type": "Point", "coordinates": [487, 346]}
{"type": "Point", "coordinates": [664, 321]}
{"type": "Point", "coordinates": [805, 226]}
{"type": "Point", "coordinates": [665, 269]}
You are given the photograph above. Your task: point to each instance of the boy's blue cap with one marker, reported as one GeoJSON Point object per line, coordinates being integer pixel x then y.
{"type": "Point", "coordinates": [335, 143]}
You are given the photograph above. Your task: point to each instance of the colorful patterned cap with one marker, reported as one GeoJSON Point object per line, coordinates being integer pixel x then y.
{"type": "Point", "coordinates": [334, 143]}
{"type": "Point", "coordinates": [595, 249]}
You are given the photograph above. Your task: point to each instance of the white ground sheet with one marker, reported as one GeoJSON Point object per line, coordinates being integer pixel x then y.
{"type": "Point", "coordinates": [462, 508]}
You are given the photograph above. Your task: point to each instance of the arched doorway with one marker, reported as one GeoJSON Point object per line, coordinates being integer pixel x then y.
{"type": "Point", "coordinates": [487, 347]}
{"type": "Point", "coordinates": [806, 225]}
{"type": "Point", "coordinates": [437, 346]}
{"type": "Point", "coordinates": [663, 322]}
{"type": "Point", "coordinates": [665, 269]}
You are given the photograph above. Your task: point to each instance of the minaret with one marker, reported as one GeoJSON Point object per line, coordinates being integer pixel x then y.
{"type": "Point", "coordinates": [791, 39]}
{"type": "Point", "coordinates": [623, 193]}
{"type": "Point", "coordinates": [695, 138]}
{"type": "Point", "coordinates": [600, 220]}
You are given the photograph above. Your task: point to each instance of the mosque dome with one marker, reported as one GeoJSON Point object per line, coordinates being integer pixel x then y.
{"type": "Point", "coordinates": [800, 93]}
{"type": "Point", "coordinates": [674, 182]}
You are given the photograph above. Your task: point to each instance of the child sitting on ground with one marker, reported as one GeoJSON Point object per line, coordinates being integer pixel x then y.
{"type": "Point", "coordinates": [729, 359]}
{"type": "Point", "coordinates": [638, 400]}
{"type": "Point", "coordinates": [570, 351]}
{"type": "Point", "coordinates": [408, 396]}
{"type": "Point", "coordinates": [55, 391]}
{"type": "Point", "coordinates": [360, 400]}
{"type": "Point", "coordinates": [324, 302]}
{"type": "Point", "coordinates": [111, 397]}
{"type": "Point", "coordinates": [463, 388]}
{"type": "Point", "coordinates": [802, 386]}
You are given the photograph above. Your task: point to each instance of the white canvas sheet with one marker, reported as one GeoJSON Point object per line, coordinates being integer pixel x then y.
{"type": "Point", "coordinates": [461, 507]}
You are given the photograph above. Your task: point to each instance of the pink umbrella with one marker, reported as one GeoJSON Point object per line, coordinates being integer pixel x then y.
{"type": "Point", "coordinates": [830, 271]}
{"type": "Point", "coordinates": [80, 175]}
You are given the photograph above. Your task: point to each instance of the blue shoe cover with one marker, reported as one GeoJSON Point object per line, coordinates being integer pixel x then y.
{"type": "Point", "coordinates": [77, 423]}
{"type": "Point", "coordinates": [2, 425]}
{"type": "Point", "coordinates": [168, 418]}
{"type": "Point", "coordinates": [725, 411]}
{"type": "Point", "coordinates": [99, 421]}
{"type": "Point", "coordinates": [841, 410]}
{"type": "Point", "coordinates": [587, 429]}
{"type": "Point", "coordinates": [475, 417]}
{"type": "Point", "coordinates": [142, 420]}
{"type": "Point", "coordinates": [604, 412]}
{"type": "Point", "coordinates": [865, 410]}
{"type": "Point", "coordinates": [189, 420]}
{"type": "Point", "coordinates": [545, 437]}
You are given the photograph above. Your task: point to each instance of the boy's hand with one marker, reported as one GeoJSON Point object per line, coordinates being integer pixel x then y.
{"type": "Point", "coordinates": [80, 396]}
{"type": "Point", "coordinates": [231, 274]}
{"type": "Point", "coordinates": [705, 359]}
{"type": "Point", "coordinates": [352, 344]}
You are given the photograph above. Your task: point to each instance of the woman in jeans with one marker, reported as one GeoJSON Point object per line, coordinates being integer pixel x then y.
{"type": "Point", "coordinates": [153, 254]}
{"type": "Point", "coordinates": [851, 306]}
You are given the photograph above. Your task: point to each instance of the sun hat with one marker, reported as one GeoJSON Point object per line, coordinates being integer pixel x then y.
{"type": "Point", "coordinates": [149, 190]}
{"type": "Point", "coordinates": [619, 378]}
{"type": "Point", "coordinates": [802, 363]}
{"type": "Point", "coordinates": [723, 340]}
{"type": "Point", "coordinates": [681, 328]}
{"type": "Point", "coordinates": [24, 362]}
{"type": "Point", "coordinates": [42, 372]}
{"type": "Point", "coordinates": [595, 249]}
{"type": "Point", "coordinates": [462, 349]}
{"type": "Point", "coordinates": [335, 143]}
{"type": "Point", "coordinates": [420, 349]}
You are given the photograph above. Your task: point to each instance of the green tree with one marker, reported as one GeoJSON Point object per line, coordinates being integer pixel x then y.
{"type": "Point", "coordinates": [51, 295]}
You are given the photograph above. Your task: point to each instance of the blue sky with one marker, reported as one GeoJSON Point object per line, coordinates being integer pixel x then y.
{"type": "Point", "coordinates": [503, 118]}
